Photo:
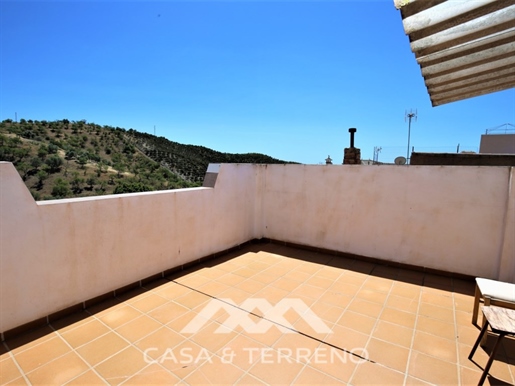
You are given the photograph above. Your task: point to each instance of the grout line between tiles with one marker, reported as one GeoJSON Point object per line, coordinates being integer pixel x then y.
{"type": "Point", "coordinates": [406, 373]}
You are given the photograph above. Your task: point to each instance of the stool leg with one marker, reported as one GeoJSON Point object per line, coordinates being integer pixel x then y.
{"type": "Point", "coordinates": [491, 359]}
{"type": "Point", "coordinates": [475, 310]}
{"type": "Point", "coordinates": [486, 304]}
{"type": "Point", "coordinates": [483, 330]}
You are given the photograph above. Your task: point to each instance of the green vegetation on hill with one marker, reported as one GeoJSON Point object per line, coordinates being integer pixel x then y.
{"type": "Point", "coordinates": [61, 159]}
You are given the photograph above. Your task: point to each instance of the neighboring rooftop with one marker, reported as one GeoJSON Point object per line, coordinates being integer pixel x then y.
{"type": "Point", "coordinates": [388, 326]}
{"type": "Point", "coordinates": [464, 48]}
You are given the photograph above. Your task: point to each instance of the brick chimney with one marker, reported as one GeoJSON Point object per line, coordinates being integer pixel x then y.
{"type": "Point", "coordinates": [352, 155]}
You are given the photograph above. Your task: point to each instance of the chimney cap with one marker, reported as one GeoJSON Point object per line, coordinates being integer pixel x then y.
{"type": "Point", "coordinates": [352, 130]}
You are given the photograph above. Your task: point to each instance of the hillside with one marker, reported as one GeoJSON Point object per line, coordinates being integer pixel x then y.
{"type": "Point", "coordinates": [61, 159]}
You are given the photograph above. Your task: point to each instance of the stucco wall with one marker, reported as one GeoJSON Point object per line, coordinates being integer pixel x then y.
{"type": "Point", "coordinates": [443, 217]}
{"type": "Point", "coordinates": [55, 254]}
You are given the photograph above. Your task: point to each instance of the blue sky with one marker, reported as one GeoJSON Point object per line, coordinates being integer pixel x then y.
{"type": "Point", "coordinates": [283, 78]}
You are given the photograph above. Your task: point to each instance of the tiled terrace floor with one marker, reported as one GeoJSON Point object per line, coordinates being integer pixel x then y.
{"type": "Point", "coordinates": [409, 328]}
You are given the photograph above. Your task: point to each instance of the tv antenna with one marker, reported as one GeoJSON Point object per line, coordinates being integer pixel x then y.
{"type": "Point", "coordinates": [377, 150]}
{"type": "Point", "coordinates": [409, 116]}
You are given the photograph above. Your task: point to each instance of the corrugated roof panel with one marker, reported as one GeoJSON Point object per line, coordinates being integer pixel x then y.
{"type": "Point", "coordinates": [464, 48]}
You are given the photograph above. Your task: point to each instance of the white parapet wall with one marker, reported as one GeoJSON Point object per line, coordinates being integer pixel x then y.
{"type": "Point", "coordinates": [56, 254]}
{"type": "Point", "coordinates": [451, 218]}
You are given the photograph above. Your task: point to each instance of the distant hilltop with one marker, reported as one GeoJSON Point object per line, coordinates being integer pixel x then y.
{"type": "Point", "coordinates": [60, 159]}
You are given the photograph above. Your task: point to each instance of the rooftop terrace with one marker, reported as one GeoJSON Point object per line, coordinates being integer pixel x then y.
{"type": "Point", "coordinates": [371, 324]}
{"type": "Point", "coordinates": [379, 292]}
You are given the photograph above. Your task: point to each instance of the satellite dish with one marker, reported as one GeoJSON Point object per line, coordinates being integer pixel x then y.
{"type": "Point", "coordinates": [400, 161]}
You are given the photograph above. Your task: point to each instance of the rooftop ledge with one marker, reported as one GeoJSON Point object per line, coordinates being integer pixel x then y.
{"type": "Point", "coordinates": [57, 255]}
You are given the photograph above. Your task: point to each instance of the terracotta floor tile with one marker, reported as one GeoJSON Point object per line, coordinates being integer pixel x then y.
{"type": "Point", "coordinates": [8, 371]}
{"type": "Point", "coordinates": [213, 288]}
{"type": "Point", "coordinates": [138, 328]}
{"type": "Point", "coordinates": [168, 312]}
{"type": "Point", "coordinates": [365, 307]}
{"type": "Point", "coordinates": [286, 284]}
{"type": "Point", "coordinates": [433, 345]}
{"type": "Point", "coordinates": [122, 366]}
{"type": "Point", "coordinates": [393, 333]}
{"type": "Point", "coordinates": [347, 339]}
{"type": "Point", "coordinates": [333, 298]}
{"type": "Point", "coordinates": [265, 277]}
{"type": "Point", "coordinates": [412, 381]}
{"type": "Point", "coordinates": [236, 295]}
{"type": "Point", "coordinates": [120, 316]}
{"type": "Point", "coordinates": [471, 376]}
{"type": "Point", "coordinates": [374, 374]}
{"type": "Point", "coordinates": [241, 351]}
{"type": "Point", "coordinates": [406, 290]}
{"type": "Point", "coordinates": [308, 291]}
{"type": "Point", "coordinates": [273, 294]}
{"type": "Point", "coordinates": [379, 284]}
{"type": "Point", "coordinates": [212, 272]}
{"type": "Point", "coordinates": [358, 322]}
{"type": "Point", "coordinates": [251, 286]}
{"type": "Point", "coordinates": [319, 281]}
{"type": "Point", "coordinates": [85, 333]}
{"type": "Point", "coordinates": [268, 338]}
{"type": "Point", "coordinates": [335, 363]}
{"type": "Point", "coordinates": [87, 378]}
{"type": "Point", "coordinates": [192, 299]}
{"type": "Point", "coordinates": [445, 301]}
{"type": "Point", "coordinates": [462, 303]}
{"type": "Point", "coordinates": [102, 348]}
{"type": "Point", "coordinates": [330, 273]}
{"type": "Point", "coordinates": [231, 279]}
{"type": "Point", "coordinates": [327, 312]}
{"type": "Point", "coordinates": [248, 380]}
{"type": "Point", "coordinates": [149, 302]}
{"type": "Point", "coordinates": [213, 336]}
{"type": "Point", "coordinates": [153, 374]}
{"type": "Point", "coordinates": [245, 272]}
{"type": "Point", "coordinates": [367, 293]}
{"type": "Point", "coordinates": [215, 371]}
{"type": "Point", "coordinates": [299, 276]}
{"type": "Point", "coordinates": [172, 290]}
{"type": "Point", "coordinates": [432, 369]}
{"type": "Point", "coordinates": [271, 371]}
{"type": "Point", "coordinates": [17, 382]}
{"type": "Point", "coordinates": [402, 303]}
{"type": "Point", "coordinates": [310, 376]}
{"type": "Point", "coordinates": [192, 280]}
{"type": "Point", "coordinates": [59, 371]}
{"type": "Point", "coordinates": [467, 335]}
{"type": "Point", "coordinates": [353, 277]}
{"type": "Point", "coordinates": [157, 343]}
{"type": "Point", "coordinates": [436, 327]}
{"type": "Point", "coordinates": [388, 354]}
{"type": "Point", "coordinates": [345, 288]}
{"type": "Point", "coordinates": [296, 346]}
{"type": "Point", "coordinates": [463, 318]}
{"type": "Point", "coordinates": [41, 354]}
{"type": "Point", "coordinates": [402, 318]}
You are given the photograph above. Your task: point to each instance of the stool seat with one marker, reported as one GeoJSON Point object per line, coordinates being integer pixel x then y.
{"type": "Point", "coordinates": [496, 289]}
{"type": "Point", "coordinates": [493, 292]}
